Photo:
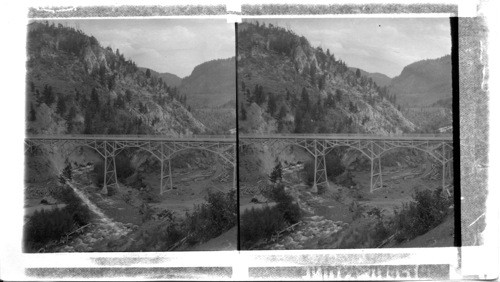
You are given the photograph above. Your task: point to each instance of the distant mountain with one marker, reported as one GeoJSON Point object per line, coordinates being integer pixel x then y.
{"type": "Point", "coordinates": [424, 83]}
{"type": "Point", "coordinates": [211, 84]}
{"type": "Point", "coordinates": [170, 79]}
{"type": "Point", "coordinates": [76, 86]}
{"type": "Point", "coordinates": [379, 78]}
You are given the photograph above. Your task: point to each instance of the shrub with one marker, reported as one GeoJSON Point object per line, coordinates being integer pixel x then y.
{"type": "Point", "coordinates": [257, 224]}
{"type": "Point", "coordinates": [427, 210]}
{"type": "Point", "coordinates": [278, 194]}
{"type": "Point", "coordinates": [212, 218]}
{"type": "Point", "coordinates": [366, 233]}
{"type": "Point", "coordinates": [290, 211]}
{"type": "Point", "coordinates": [45, 226]}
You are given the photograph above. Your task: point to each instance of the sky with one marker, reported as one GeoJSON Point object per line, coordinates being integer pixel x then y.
{"type": "Point", "coordinates": [384, 45]}
{"type": "Point", "coordinates": [164, 45]}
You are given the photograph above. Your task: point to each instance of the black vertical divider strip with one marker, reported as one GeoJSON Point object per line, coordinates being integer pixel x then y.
{"type": "Point", "coordinates": [456, 130]}
{"type": "Point", "coordinates": [237, 137]}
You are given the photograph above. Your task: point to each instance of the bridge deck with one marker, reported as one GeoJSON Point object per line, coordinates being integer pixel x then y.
{"type": "Point", "coordinates": [422, 137]}
{"type": "Point", "coordinates": [195, 138]}
{"type": "Point", "coordinates": [232, 138]}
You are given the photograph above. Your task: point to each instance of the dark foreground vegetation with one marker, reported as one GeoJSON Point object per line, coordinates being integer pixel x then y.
{"type": "Point", "coordinates": [427, 210]}
{"type": "Point", "coordinates": [261, 224]}
{"type": "Point", "coordinates": [46, 226]}
{"type": "Point", "coordinates": [208, 220]}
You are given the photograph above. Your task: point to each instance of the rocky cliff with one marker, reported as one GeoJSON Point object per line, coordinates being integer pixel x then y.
{"type": "Point", "coordinates": [74, 85]}
{"type": "Point", "coordinates": [287, 85]}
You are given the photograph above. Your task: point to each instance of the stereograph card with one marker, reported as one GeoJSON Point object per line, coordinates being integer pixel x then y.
{"type": "Point", "coordinates": [270, 141]}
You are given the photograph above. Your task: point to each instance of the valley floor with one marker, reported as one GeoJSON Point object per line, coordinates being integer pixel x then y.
{"type": "Point", "coordinates": [121, 219]}
{"type": "Point", "coordinates": [328, 214]}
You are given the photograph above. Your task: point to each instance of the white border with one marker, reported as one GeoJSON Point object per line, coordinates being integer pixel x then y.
{"type": "Point", "coordinates": [475, 260]}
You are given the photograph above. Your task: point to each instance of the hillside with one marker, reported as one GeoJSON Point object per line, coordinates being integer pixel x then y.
{"type": "Point", "coordinates": [76, 86]}
{"type": "Point", "coordinates": [210, 84]}
{"type": "Point", "coordinates": [424, 83]}
{"type": "Point", "coordinates": [287, 85]}
{"type": "Point", "coordinates": [170, 79]}
{"type": "Point", "coordinates": [380, 79]}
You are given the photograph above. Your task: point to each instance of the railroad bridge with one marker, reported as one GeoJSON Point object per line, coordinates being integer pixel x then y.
{"type": "Point", "coordinates": [439, 147]}
{"type": "Point", "coordinates": [161, 147]}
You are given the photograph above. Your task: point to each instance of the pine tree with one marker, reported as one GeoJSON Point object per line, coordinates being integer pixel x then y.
{"type": "Point", "coordinates": [277, 173]}
{"type": "Point", "coordinates": [330, 101]}
{"type": "Point", "coordinates": [48, 95]}
{"type": "Point", "coordinates": [148, 73]}
{"type": "Point", "coordinates": [338, 95]}
{"type": "Point", "coordinates": [94, 99]}
{"type": "Point", "coordinates": [69, 119]}
{"type": "Point", "coordinates": [305, 99]}
{"type": "Point", "coordinates": [61, 106]}
{"type": "Point", "coordinates": [358, 73]}
{"type": "Point", "coordinates": [271, 104]}
{"type": "Point", "coordinates": [67, 171]}
{"type": "Point", "coordinates": [312, 74]}
{"type": "Point", "coordinates": [32, 114]}
{"type": "Point", "coordinates": [243, 114]}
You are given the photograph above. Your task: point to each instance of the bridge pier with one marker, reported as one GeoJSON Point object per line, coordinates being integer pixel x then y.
{"type": "Point", "coordinates": [320, 173]}
{"type": "Point", "coordinates": [166, 171]}
{"type": "Point", "coordinates": [376, 174]}
{"type": "Point", "coordinates": [110, 178]}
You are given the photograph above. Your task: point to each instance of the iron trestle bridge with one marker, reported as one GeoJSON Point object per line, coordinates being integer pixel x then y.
{"type": "Point", "coordinates": [373, 147]}
{"type": "Point", "coordinates": [162, 148]}
{"type": "Point", "coordinates": [439, 147]}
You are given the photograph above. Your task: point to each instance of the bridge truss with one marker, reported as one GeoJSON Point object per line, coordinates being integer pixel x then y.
{"type": "Point", "coordinates": [439, 147]}
{"type": "Point", "coordinates": [162, 148]}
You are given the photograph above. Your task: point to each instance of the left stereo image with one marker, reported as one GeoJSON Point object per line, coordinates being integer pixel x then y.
{"type": "Point", "coordinates": [130, 136]}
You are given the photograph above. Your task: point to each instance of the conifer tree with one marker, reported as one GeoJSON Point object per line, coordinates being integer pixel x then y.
{"type": "Point", "coordinates": [271, 104]}
{"type": "Point", "coordinates": [277, 173]}
{"type": "Point", "coordinates": [243, 115]}
{"type": "Point", "coordinates": [305, 99]}
{"type": "Point", "coordinates": [61, 106]}
{"type": "Point", "coordinates": [48, 95]}
{"type": "Point", "coordinates": [32, 115]}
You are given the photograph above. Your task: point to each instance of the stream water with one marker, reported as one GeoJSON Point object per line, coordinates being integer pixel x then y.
{"type": "Point", "coordinates": [102, 218]}
{"type": "Point", "coordinates": [102, 229]}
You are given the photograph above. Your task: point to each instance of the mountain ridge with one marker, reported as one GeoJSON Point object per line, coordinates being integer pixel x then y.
{"type": "Point", "coordinates": [76, 86]}
{"type": "Point", "coordinates": [379, 78]}
{"type": "Point", "coordinates": [210, 84]}
{"type": "Point", "coordinates": [170, 78]}
{"type": "Point", "coordinates": [287, 85]}
{"type": "Point", "coordinates": [423, 83]}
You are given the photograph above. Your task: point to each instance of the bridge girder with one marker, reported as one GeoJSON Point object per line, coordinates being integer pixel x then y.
{"type": "Point", "coordinates": [163, 150]}
{"type": "Point", "coordinates": [440, 149]}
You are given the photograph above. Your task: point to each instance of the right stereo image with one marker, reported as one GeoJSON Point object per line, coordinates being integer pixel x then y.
{"type": "Point", "coordinates": [345, 133]}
